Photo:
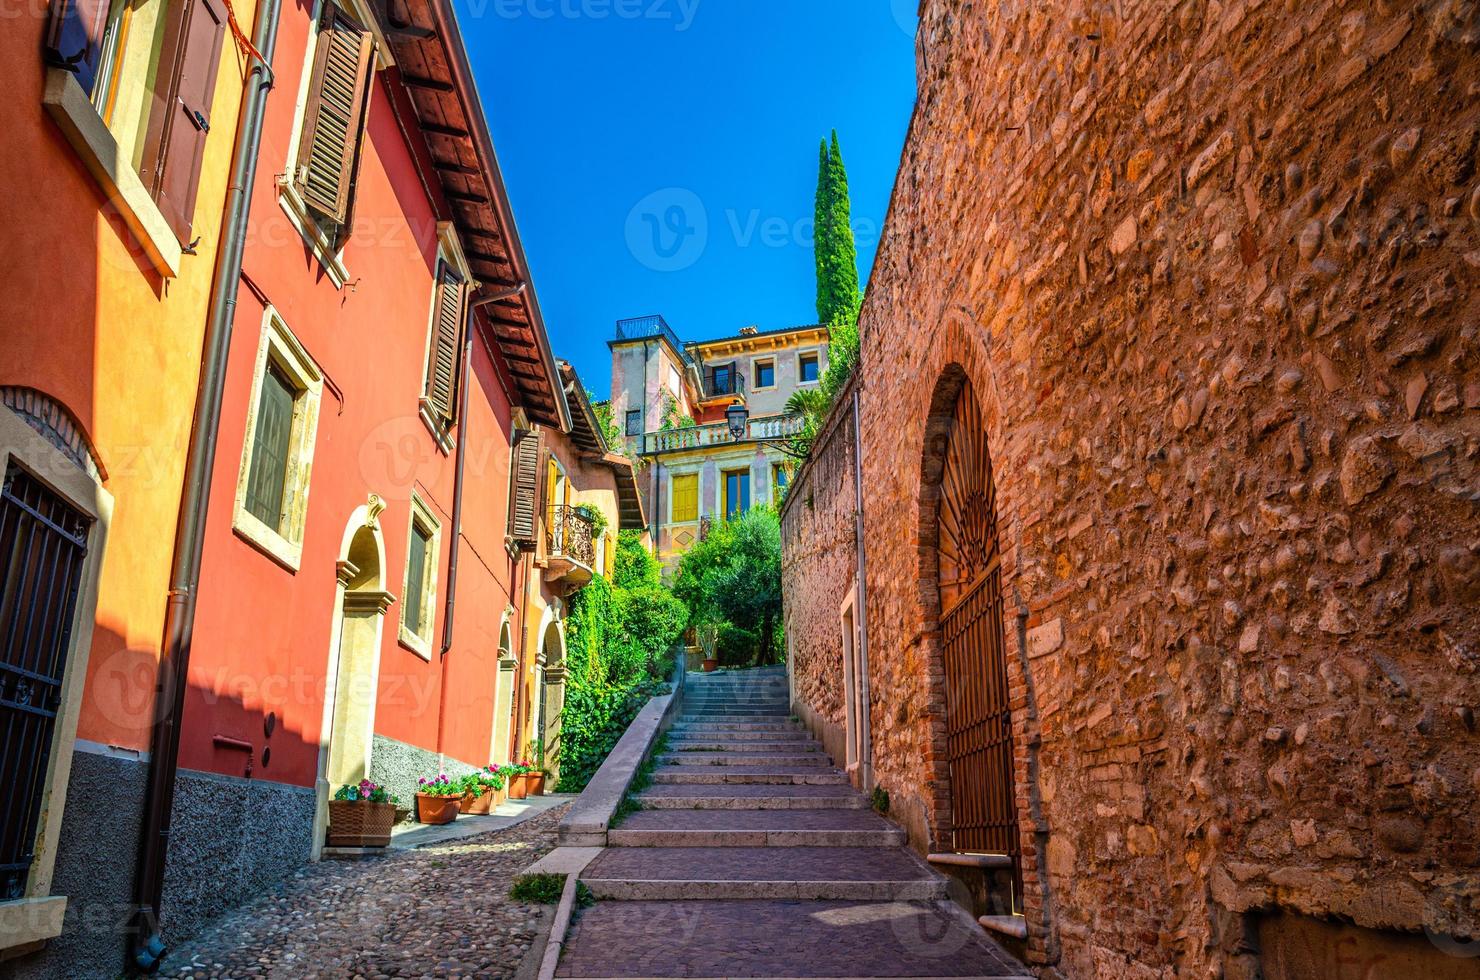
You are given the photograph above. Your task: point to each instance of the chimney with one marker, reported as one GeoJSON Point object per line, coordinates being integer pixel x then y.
{"type": "Point", "coordinates": [749, 331]}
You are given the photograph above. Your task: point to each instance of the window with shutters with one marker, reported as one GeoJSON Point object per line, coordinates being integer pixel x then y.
{"type": "Point", "coordinates": [277, 454]}
{"type": "Point", "coordinates": [419, 590]}
{"type": "Point", "coordinates": [318, 185]}
{"type": "Point", "coordinates": [524, 489]}
{"type": "Point", "coordinates": [445, 336]}
{"type": "Point", "coordinates": [131, 85]}
{"type": "Point", "coordinates": [685, 491]}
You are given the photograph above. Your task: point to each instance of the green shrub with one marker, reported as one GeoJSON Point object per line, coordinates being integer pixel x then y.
{"type": "Point", "coordinates": [737, 645]}
{"type": "Point", "coordinates": [733, 577]}
{"type": "Point", "coordinates": [879, 799]}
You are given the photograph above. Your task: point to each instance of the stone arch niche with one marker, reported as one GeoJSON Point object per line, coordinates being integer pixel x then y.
{"type": "Point", "coordinates": [503, 696]}
{"type": "Point", "coordinates": [975, 805]}
{"type": "Point", "coordinates": [350, 683]}
{"type": "Point", "coordinates": [551, 687]}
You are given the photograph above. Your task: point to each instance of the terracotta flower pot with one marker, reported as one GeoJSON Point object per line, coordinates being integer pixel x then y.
{"type": "Point", "coordinates": [436, 809]}
{"type": "Point", "coordinates": [483, 803]}
{"type": "Point", "coordinates": [357, 823]}
{"type": "Point", "coordinates": [711, 664]}
{"type": "Point", "coordinates": [518, 786]}
{"type": "Point", "coordinates": [535, 786]}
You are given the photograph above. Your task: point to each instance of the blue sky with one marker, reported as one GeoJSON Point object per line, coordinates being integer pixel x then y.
{"type": "Point", "coordinates": [662, 154]}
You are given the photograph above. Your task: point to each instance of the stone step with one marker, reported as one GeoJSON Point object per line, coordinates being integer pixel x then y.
{"type": "Point", "coordinates": [710, 727]}
{"type": "Point", "coordinates": [776, 758]}
{"type": "Point", "coordinates": [817, 873]}
{"type": "Point", "coordinates": [726, 739]}
{"type": "Point", "coordinates": [740, 714]}
{"type": "Point", "coordinates": [714, 703]}
{"type": "Point", "coordinates": [748, 775]}
{"type": "Point", "coordinates": [781, 939]}
{"type": "Point", "coordinates": [722, 796]}
{"type": "Point", "coordinates": [755, 828]}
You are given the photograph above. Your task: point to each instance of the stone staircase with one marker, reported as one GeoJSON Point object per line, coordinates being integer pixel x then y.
{"type": "Point", "coordinates": [752, 856]}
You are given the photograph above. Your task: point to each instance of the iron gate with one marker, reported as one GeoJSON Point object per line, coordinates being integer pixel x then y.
{"type": "Point", "coordinates": [43, 542]}
{"type": "Point", "coordinates": [978, 705]}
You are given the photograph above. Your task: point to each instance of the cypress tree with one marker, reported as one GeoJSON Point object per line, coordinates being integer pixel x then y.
{"type": "Point", "coordinates": [837, 255]}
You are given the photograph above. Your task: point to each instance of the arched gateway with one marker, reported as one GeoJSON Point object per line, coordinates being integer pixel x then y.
{"type": "Point", "coordinates": [978, 728]}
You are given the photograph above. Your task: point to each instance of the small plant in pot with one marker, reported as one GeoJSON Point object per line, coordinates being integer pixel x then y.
{"type": "Point", "coordinates": [437, 799]}
{"type": "Point", "coordinates": [534, 769]}
{"type": "Point", "coordinates": [513, 775]}
{"type": "Point", "coordinates": [483, 791]}
{"type": "Point", "coordinates": [361, 815]}
{"type": "Point", "coordinates": [708, 634]}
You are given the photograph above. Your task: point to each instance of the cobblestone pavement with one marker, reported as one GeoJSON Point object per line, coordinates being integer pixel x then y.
{"type": "Point", "coordinates": [439, 911]}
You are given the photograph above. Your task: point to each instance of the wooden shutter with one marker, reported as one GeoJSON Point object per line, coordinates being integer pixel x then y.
{"type": "Point", "coordinates": [442, 361]}
{"type": "Point", "coordinates": [74, 38]}
{"type": "Point", "coordinates": [524, 496]}
{"type": "Point", "coordinates": [685, 490]}
{"type": "Point", "coordinates": [334, 116]}
{"type": "Point", "coordinates": [180, 115]}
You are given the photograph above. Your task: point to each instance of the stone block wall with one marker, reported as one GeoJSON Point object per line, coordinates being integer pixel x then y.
{"type": "Point", "coordinates": [1211, 269]}
{"type": "Point", "coordinates": [818, 570]}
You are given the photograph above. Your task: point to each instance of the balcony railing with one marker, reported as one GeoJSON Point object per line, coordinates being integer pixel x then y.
{"type": "Point", "coordinates": [650, 327]}
{"type": "Point", "coordinates": [724, 384]}
{"type": "Point", "coordinates": [568, 534]}
{"type": "Point", "coordinates": [718, 434]}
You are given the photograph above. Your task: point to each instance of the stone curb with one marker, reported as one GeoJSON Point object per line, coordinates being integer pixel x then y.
{"type": "Point", "coordinates": [591, 814]}
{"type": "Point", "coordinates": [556, 943]}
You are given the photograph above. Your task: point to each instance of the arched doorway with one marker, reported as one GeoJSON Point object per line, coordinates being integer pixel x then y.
{"type": "Point", "coordinates": [503, 696]}
{"type": "Point", "coordinates": [550, 685]}
{"type": "Point", "coordinates": [978, 724]}
{"type": "Point", "coordinates": [354, 661]}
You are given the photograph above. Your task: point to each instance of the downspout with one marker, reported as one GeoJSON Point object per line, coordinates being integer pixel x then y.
{"type": "Point", "coordinates": [860, 602]}
{"type": "Point", "coordinates": [462, 458]}
{"type": "Point", "coordinates": [457, 500]}
{"type": "Point", "coordinates": [179, 623]}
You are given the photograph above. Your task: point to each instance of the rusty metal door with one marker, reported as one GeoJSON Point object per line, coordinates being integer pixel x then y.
{"type": "Point", "coordinates": [978, 705]}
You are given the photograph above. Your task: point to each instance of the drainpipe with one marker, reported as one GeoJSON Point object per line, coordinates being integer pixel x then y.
{"type": "Point", "coordinates": [860, 604]}
{"type": "Point", "coordinates": [462, 458]}
{"type": "Point", "coordinates": [179, 622]}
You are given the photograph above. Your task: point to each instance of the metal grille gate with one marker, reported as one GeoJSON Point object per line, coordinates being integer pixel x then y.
{"type": "Point", "coordinates": [42, 545]}
{"type": "Point", "coordinates": [978, 704]}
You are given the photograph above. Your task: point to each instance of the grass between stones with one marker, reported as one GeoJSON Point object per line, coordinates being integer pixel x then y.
{"type": "Point", "coordinates": [545, 887]}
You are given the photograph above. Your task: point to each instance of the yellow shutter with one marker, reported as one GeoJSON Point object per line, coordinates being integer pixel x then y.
{"type": "Point", "coordinates": [685, 498]}
{"type": "Point", "coordinates": [611, 554]}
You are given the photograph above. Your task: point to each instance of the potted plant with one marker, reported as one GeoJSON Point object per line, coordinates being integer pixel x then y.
{"type": "Point", "coordinates": [436, 799]}
{"type": "Point", "coordinates": [514, 774]}
{"type": "Point", "coordinates": [708, 640]}
{"type": "Point", "coordinates": [534, 766]}
{"type": "Point", "coordinates": [483, 791]}
{"type": "Point", "coordinates": [361, 815]}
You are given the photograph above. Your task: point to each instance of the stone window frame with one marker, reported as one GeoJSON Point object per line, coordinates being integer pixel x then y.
{"type": "Point", "coordinates": [801, 354]}
{"type": "Point", "coordinates": [449, 250]}
{"type": "Point", "coordinates": [39, 915]}
{"type": "Point", "coordinates": [755, 365]}
{"type": "Point", "coordinates": [421, 515]}
{"type": "Point", "coordinates": [696, 471]}
{"type": "Point", "coordinates": [300, 215]}
{"type": "Point", "coordinates": [290, 357]}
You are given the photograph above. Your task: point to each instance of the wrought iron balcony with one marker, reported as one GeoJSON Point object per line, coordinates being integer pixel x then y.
{"type": "Point", "coordinates": [651, 327]}
{"type": "Point", "coordinates": [718, 434]}
{"type": "Point", "coordinates": [723, 384]}
{"type": "Point", "coordinates": [569, 547]}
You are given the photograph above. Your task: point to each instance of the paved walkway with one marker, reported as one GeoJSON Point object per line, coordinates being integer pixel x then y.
{"type": "Point", "coordinates": [754, 857]}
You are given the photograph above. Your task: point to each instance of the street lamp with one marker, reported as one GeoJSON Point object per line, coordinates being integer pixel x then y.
{"type": "Point", "coordinates": [737, 415]}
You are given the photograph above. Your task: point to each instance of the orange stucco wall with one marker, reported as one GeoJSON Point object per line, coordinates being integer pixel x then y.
{"type": "Point", "coordinates": [263, 633]}
{"type": "Point", "coordinates": [86, 320]}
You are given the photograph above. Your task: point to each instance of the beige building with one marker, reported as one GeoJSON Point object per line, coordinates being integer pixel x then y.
{"type": "Point", "coordinates": [680, 406]}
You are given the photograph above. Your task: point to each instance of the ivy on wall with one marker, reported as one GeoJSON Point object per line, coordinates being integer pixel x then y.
{"type": "Point", "coordinates": [619, 638]}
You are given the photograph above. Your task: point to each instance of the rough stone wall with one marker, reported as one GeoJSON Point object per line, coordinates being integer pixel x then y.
{"type": "Point", "coordinates": [1210, 268]}
{"type": "Point", "coordinates": [818, 568]}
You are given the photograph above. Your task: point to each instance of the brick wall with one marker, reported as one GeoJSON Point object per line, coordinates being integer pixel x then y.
{"type": "Point", "coordinates": [1210, 268]}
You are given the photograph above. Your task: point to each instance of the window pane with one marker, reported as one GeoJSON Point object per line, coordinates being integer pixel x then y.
{"type": "Point", "coordinates": [267, 482]}
{"type": "Point", "coordinates": [809, 367]}
{"type": "Point", "coordinates": [416, 573]}
{"type": "Point", "coordinates": [765, 374]}
{"type": "Point", "coordinates": [737, 493]}
{"type": "Point", "coordinates": [634, 422]}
